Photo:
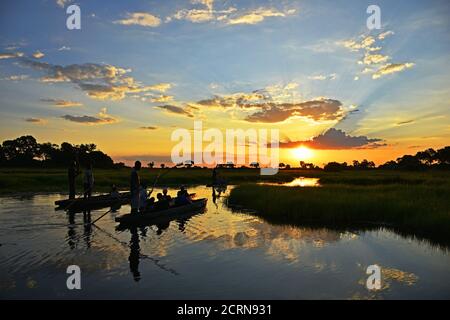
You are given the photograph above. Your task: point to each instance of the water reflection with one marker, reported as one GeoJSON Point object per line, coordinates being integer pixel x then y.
{"type": "Point", "coordinates": [297, 182]}
{"type": "Point", "coordinates": [181, 258]}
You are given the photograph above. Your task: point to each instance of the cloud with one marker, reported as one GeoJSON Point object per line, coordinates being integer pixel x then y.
{"type": "Point", "coordinates": [141, 19]}
{"type": "Point", "coordinates": [335, 139]}
{"type": "Point", "coordinates": [64, 48]}
{"type": "Point", "coordinates": [391, 68]}
{"type": "Point", "coordinates": [405, 122]}
{"type": "Point", "coordinates": [161, 99]}
{"type": "Point", "coordinates": [257, 16]}
{"type": "Point", "coordinates": [384, 35]}
{"type": "Point", "coordinates": [99, 81]}
{"type": "Point", "coordinates": [378, 60]}
{"type": "Point", "coordinates": [148, 128]}
{"type": "Point", "coordinates": [63, 103]}
{"type": "Point", "coordinates": [62, 3]}
{"type": "Point", "coordinates": [101, 118]}
{"type": "Point", "coordinates": [229, 16]}
{"type": "Point", "coordinates": [354, 45]}
{"type": "Point", "coordinates": [317, 110]}
{"type": "Point", "coordinates": [322, 77]}
{"type": "Point", "coordinates": [8, 55]}
{"type": "Point", "coordinates": [19, 77]}
{"type": "Point", "coordinates": [176, 110]}
{"type": "Point", "coordinates": [38, 55]}
{"type": "Point", "coordinates": [36, 120]}
{"type": "Point", "coordinates": [374, 59]}
{"type": "Point", "coordinates": [275, 103]}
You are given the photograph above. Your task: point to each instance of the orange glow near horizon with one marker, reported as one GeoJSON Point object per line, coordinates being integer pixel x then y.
{"type": "Point", "coordinates": [302, 153]}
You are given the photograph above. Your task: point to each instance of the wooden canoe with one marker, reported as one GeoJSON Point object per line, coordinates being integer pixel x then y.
{"type": "Point", "coordinates": [94, 202]}
{"type": "Point", "coordinates": [173, 212]}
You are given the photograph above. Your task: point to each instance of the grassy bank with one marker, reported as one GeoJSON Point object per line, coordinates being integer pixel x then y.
{"type": "Point", "coordinates": [415, 209]}
{"type": "Point", "coordinates": [13, 180]}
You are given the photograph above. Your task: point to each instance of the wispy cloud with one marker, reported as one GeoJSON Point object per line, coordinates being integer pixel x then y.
{"type": "Point", "coordinates": [10, 55]}
{"type": "Point", "coordinates": [62, 103]}
{"type": "Point", "coordinates": [148, 128]}
{"type": "Point", "coordinates": [367, 44]}
{"type": "Point", "coordinates": [176, 110]}
{"type": "Point", "coordinates": [36, 121]}
{"type": "Point", "coordinates": [391, 68]}
{"type": "Point", "coordinates": [19, 77]}
{"type": "Point", "coordinates": [143, 19]}
{"type": "Point", "coordinates": [101, 118]}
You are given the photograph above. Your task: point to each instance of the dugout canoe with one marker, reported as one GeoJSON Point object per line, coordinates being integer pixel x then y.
{"type": "Point", "coordinates": [173, 212]}
{"type": "Point", "coordinates": [97, 202]}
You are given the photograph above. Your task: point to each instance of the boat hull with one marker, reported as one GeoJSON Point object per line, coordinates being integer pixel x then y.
{"type": "Point", "coordinates": [138, 218]}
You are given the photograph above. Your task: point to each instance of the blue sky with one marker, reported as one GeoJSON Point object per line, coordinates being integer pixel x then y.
{"type": "Point", "coordinates": [296, 52]}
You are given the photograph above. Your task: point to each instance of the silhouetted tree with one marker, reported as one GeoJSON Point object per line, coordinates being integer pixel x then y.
{"type": "Point", "coordinates": [151, 165]}
{"type": "Point", "coordinates": [335, 166]}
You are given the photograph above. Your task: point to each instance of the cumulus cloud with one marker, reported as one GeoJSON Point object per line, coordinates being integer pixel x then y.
{"type": "Point", "coordinates": [317, 110]}
{"type": "Point", "coordinates": [377, 61]}
{"type": "Point", "coordinates": [176, 110]}
{"type": "Point", "coordinates": [99, 81]}
{"type": "Point", "coordinates": [38, 55]}
{"type": "Point", "coordinates": [391, 68]}
{"type": "Point", "coordinates": [141, 19]}
{"type": "Point", "coordinates": [36, 120]}
{"type": "Point", "coordinates": [62, 103]}
{"type": "Point", "coordinates": [335, 139]}
{"type": "Point", "coordinates": [101, 118]}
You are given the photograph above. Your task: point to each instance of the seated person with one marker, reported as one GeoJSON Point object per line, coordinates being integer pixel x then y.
{"type": "Point", "coordinates": [166, 196]}
{"type": "Point", "coordinates": [150, 204]}
{"type": "Point", "coordinates": [162, 203]}
{"type": "Point", "coordinates": [114, 193]}
{"type": "Point", "coordinates": [182, 198]}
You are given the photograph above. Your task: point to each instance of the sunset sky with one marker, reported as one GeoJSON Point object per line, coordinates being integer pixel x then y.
{"type": "Point", "coordinates": [137, 70]}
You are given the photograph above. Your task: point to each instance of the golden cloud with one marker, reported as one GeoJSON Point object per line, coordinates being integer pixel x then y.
{"type": "Point", "coordinates": [391, 68]}
{"type": "Point", "coordinates": [140, 18]}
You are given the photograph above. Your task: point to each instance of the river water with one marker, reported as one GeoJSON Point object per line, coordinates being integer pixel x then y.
{"type": "Point", "coordinates": [218, 254]}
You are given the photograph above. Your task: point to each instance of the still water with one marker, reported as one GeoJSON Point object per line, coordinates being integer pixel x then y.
{"type": "Point", "coordinates": [218, 254]}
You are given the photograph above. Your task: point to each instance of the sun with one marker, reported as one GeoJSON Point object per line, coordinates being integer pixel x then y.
{"type": "Point", "coordinates": [302, 153]}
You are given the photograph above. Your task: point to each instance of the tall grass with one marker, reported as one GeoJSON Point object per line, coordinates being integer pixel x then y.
{"type": "Point", "coordinates": [420, 209]}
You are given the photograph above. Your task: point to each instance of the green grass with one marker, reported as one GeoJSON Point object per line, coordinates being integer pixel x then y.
{"type": "Point", "coordinates": [13, 180]}
{"type": "Point", "coordinates": [421, 210]}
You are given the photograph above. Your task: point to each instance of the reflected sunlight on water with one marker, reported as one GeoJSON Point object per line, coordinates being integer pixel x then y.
{"type": "Point", "coordinates": [214, 254]}
{"type": "Point", "coordinates": [297, 182]}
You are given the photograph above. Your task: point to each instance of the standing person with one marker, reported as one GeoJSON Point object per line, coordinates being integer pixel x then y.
{"type": "Point", "coordinates": [143, 195]}
{"type": "Point", "coordinates": [134, 187]}
{"type": "Point", "coordinates": [72, 172]}
{"type": "Point", "coordinates": [214, 176]}
{"type": "Point", "coordinates": [88, 181]}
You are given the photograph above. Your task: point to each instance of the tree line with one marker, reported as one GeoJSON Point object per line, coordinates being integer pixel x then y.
{"type": "Point", "coordinates": [25, 151]}
{"type": "Point", "coordinates": [422, 160]}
